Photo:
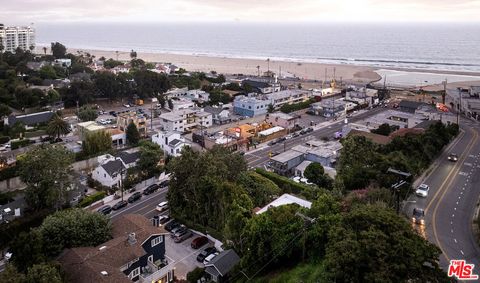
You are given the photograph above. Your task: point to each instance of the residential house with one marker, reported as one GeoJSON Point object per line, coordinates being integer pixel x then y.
{"type": "Point", "coordinates": [172, 143]}
{"type": "Point", "coordinates": [362, 96]}
{"type": "Point", "coordinates": [281, 119]}
{"type": "Point", "coordinates": [394, 118]}
{"type": "Point", "coordinates": [410, 106]}
{"type": "Point", "coordinates": [176, 93]}
{"type": "Point", "coordinates": [64, 62]}
{"type": "Point", "coordinates": [119, 137]}
{"type": "Point", "coordinates": [328, 108]}
{"type": "Point", "coordinates": [129, 158]}
{"type": "Point", "coordinates": [32, 119]}
{"type": "Point", "coordinates": [80, 77]}
{"type": "Point", "coordinates": [36, 66]}
{"type": "Point", "coordinates": [260, 86]}
{"type": "Point", "coordinates": [219, 267]}
{"type": "Point", "coordinates": [284, 200]}
{"type": "Point", "coordinates": [135, 253]}
{"type": "Point", "coordinates": [286, 162]}
{"type": "Point", "coordinates": [220, 116]}
{"type": "Point", "coordinates": [198, 95]}
{"type": "Point", "coordinates": [289, 96]}
{"type": "Point", "coordinates": [110, 173]}
{"type": "Point", "coordinates": [181, 104]}
{"type": "Point", "coordinates": [250, 106]}
{"type": "Point", "coordinates": [468, 103]}
{"type": "Point", "coordinates": [185, 120]}
{"type": "Point", "coordinates": [124, 119]}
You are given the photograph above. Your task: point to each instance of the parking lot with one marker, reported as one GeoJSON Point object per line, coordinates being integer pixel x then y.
{"type": "Point", "coordinates": [183, 255]}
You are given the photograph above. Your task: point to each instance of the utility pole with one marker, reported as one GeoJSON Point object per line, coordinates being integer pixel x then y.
{"type": "Point", "coordinates": [307, 220]}
{"type": "Point", "coordinates": [396, 187]}
{"type": "Point", "coordinates": [459, 107]}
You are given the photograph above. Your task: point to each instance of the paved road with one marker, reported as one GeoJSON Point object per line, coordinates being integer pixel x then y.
{"type": "Point", "coordinates": [145, 206]}
{"type": "Point", "coordinates": [260, 157]}
{"type": "Point", "coordinates": [452, 200]}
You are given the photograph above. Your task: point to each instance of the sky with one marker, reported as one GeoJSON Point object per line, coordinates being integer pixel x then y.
{"type": "Point", "coordinates": [34, 11]}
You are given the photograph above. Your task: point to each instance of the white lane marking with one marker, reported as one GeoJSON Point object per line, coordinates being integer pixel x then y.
{"type": "Point", "coordinates": [455, 240]}
{"type": "Point", "coordinates": [451, 222]}
{"type": "Point", "coordinates": [455, 208]}
{"type": "Point", "coordinates": [467, 164]}
{"type": "Point", "coordinates": [453, 215]}
{"type": "Point", "coordinates": [462, 252]}
{"type": "Point", "coordinates": [459, 197]}
{"type": "Point", "coordinates": [451, 230]}
{"type": "Point", "coordinates": [457, 202]}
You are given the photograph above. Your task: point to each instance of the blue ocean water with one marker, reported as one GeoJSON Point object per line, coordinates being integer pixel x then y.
{"type": "Point", "coordinates": [432, 46]}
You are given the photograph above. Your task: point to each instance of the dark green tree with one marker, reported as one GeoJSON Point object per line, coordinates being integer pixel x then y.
{"type": "Point", "coordinates": [46, 171]}
{"type": "Point", "coordinates": [11, 274]}
{"type": "Point", "coordinates": [27, 250]}
{"type": "Point", "coordinates": [43, 273]}
{"type": "Point", "coordinates": [150, 156]}
{"type": "Point", "coordinates": [4, 110]}
{"type": "Point", "coordinates": [385, 129]}
{"type": "Point", "coordinates": [133, 136]}
{"type": "Point", "coordinates": [97, 143]}
{"type": "Point", "coordinates": [271, 109]}
{"type": "Point", "coordinates": [316, 174]}
{"type": "Point", "coordinates": [73, 228]}
{"type": "Point", "coordinates": [170, 104]}
{"type": "Point", "coordinates": [87, 114]}
{"type": "Point", "coordinates": [58, 50]}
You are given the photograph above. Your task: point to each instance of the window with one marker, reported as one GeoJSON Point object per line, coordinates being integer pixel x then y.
{"type": "Point", "coordinates": [135, 273]}
{"type": "Point", "coordinates": [157, 240]}
{"type": "Point", "coordinates": [104, 175]}
{"type": "Point", "coordinates": [150, 258]}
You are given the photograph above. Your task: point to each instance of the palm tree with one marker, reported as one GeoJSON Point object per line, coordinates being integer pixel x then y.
{"type": "Point", "coordinates": [57, 127]}
{"type": "Point", "coordinates": [44, 50]}
{"type": "Point", "coordinates": [1, 50]}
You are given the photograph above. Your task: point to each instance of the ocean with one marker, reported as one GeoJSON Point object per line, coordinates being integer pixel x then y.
{"type": "Point", "coordinates": [423, 46]}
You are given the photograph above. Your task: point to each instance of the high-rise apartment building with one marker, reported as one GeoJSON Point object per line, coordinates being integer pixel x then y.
{"type": "Point", "coordinates": [14, 37]}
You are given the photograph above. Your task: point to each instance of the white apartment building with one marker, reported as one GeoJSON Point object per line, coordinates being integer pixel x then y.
{"type": "Point", "coordinates": [181, 104]}
{"type": "Point", "coordinates": [185, 120]}
{"type": "Point", "coordinates": [14, 37]}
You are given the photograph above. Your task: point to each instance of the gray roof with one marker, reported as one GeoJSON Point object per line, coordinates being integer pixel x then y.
{"type": "Point", "coordinates": [31, 119]}
{"type": "Point", "coordinates": [213, 110]}
{"type": "Point", "coordinates": [175, 142]}
{"type": "Point", "coordinates": [425, 124]}
{"type": "Point", "coordinates": [128, 157]}
{"type": "Point", "coordinates": [410, 104]}
{"type": "Point", "coordinates": [113, 167]}
{"type": "Point", "coordinates": [223, 263]}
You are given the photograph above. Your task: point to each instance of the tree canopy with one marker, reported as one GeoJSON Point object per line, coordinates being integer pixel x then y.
{"type": "Point", "coordinates": [57, 127]}
{"type": "Point", "coordinates": [97, 143]}
{"type": "Point", "coordinates": [150, 156]}
{"type": "Point", "coordinates": [316, 174]}
{"type": "Point", "coordinates": [133, 136]}
{"type": "Point", "coordinates": [87, 114]}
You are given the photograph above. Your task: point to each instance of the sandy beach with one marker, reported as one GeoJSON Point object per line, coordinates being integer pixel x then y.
{"type": "Point", "coordinates": [307, 71]}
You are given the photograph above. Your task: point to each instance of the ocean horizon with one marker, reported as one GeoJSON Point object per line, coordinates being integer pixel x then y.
{"type": "Point", "coordinates": [422, 46]}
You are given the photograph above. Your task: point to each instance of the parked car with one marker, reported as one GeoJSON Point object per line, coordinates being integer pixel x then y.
{"type": "Point", "coordinates": [120, 204]}
{"type": "Point", "coordinates": [453, 157]}
{"type": "Point", "coordinates": [206, 252]}
{"type": "Point", "coordinates": [183, 236]}
{"type": "Point", "coordinates": [163, 219]}
{"type": "Point", "coordinates": [272, 143]}
{"type": "Point", "coordinates": [309, 130]}
{"type": "Point", "coordinates": [171, 225]}
{"type": "Point", "coordinates": [105, 210]}
{"type": "Point", "coordinates": [150, 189]}
{"type": "Point", "coordinates": [162, 206]}
{"type": "Point", "coordinates": [296, 134]}
{"type": "Point", "coordinates": [422, 190]}
{"type": "Point", "coordinates": [113, 113]}
{"type": "Point", "coordinates": [282, 139]}
{"type": "Point", "coordinates": [209, 258]}
{"type": "Point", "coordinates": [177, 231]}
{"type": "Point", "coordinates": [303, 132]}
{"type": "Point", "coordinates": [164, 184]}
{"type": "Point", "coordinates": [418, 216]}
{"type": "Point", "coordinates": [136, 196]}
{"type": "Point", "coordinates": [199, 242]}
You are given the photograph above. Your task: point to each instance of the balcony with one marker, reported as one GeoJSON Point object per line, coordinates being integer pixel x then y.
{"type": "Point", "coordinates": [160, 273]}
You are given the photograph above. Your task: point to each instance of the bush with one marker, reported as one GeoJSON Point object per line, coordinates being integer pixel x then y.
{"type": "Point", "coordinates": [10, 230]}
{"type": "Point", "coordinates": [289, 186]}
{"type": "Point", "coordinates": [8, 173]}
{"type": "Point", "coordinates": [4, 139]}
{"type": "Point", "coordinates": [21, 143]}
{"type": "Point", "coordinates": [195, 275]}
{"type": "Point", "coordinates": [287, 108]}
{"type": "Point", "coordinates": [91, 199]}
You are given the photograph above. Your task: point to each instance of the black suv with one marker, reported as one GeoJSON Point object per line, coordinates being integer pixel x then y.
{"type": "Point", "coordinates": [164, 184]}
{"type": "Point", "coordinates": [150, 189]}
{"type": "Point", "coordinates": [171, 225]}
{"type": "Point", "coordinates": [136, 196]}
{"type": "Point", "coordinates": [105, 210]}
{"type": "Point", "coordinates": [206, 252]}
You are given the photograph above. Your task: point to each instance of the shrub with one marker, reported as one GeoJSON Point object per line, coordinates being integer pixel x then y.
{"type": "Point", "coordinates": [4, 139]}
{"type": "Point", "coordinates": [195, 275]}
{"type": "Point", "coordinates": [21, 143]}
{"type": "Point", "coordinates": [91, 199]}
{"type": "Point", "coordinates": [8, 173]}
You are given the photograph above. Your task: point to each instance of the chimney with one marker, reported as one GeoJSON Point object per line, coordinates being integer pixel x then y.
{"type": "Point", "coordinates": [131, 239]}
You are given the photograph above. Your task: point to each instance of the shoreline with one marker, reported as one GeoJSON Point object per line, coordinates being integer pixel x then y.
{"type": "Point", "coordinates": [310, 71]}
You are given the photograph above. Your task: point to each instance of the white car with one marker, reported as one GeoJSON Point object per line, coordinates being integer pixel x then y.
{"type": "Point", "coordinates": [209, 258]}
{"type": "Point", "coordinates": [126, 105]}
{"type": "Point", "coordinates": [422, 190]}
{"type": "Point", "coordinates": [162, 206]}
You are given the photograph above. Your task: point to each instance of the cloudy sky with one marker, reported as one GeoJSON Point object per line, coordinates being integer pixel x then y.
{"type": "Point", "coordinates": [26, 11]}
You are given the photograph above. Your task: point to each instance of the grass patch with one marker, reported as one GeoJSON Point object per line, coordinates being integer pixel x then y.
{"type": "Point", "coordinates": [308, 272]}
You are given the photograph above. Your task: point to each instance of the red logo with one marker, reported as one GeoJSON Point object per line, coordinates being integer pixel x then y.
{"type": "Point", "coordinates": [461, 270]}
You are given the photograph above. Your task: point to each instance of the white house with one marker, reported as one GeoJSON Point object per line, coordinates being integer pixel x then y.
{"type": "Point", "coordinates": [110, 173]}
{"type": "Point", "coordinates": [185, 120]}
{"type": "Point", "coordinates": [180, 104]}
{"type": "Point", "coordinates": [172, 143]}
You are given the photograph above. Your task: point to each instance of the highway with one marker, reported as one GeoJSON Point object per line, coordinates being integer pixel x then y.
{"type": "Point", "coordinates": [258, 158]}
{"type": "Point", "coordinates": [453, 197]}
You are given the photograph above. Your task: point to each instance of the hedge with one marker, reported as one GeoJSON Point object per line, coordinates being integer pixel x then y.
{"type": "Point", "coordinates": [91, 199]}
{"type": "Point", "coordinates": [287, 108]}
{"type": "Point", "coordinates": [8, 172]}
{"type": "Point", "coordinates": [4, 139]}
{"type": "Point", "coordinates": [289, 186]}
{"type": "Point", "coordinates": [21, 143]}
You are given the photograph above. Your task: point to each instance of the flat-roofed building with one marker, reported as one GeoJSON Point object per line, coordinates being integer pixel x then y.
{"type": "Point", "coordinates": [17, 37]}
